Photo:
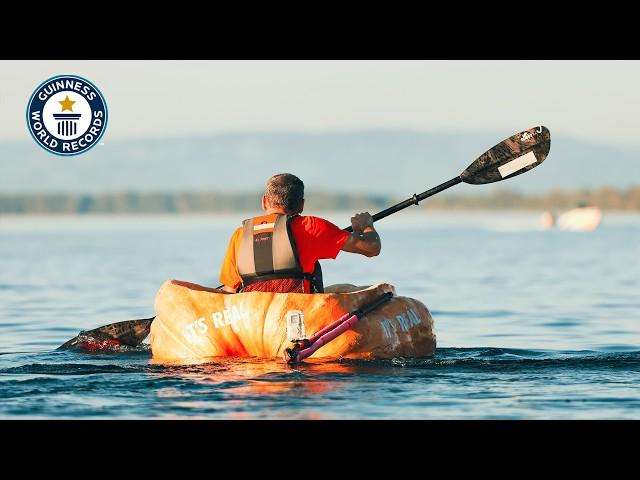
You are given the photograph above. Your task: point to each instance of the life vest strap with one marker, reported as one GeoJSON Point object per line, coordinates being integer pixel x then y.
{"type": "Point", "coordinates": [316, 287]}
{"type": "Point", "coordinates": [249, 279]}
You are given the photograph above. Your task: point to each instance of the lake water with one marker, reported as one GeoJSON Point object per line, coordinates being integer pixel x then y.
{"type": "Point", "coordinates": [530, 323]}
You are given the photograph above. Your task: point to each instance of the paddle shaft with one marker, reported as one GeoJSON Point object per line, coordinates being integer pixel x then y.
{"type": "Point", "coordinates": [413, 200]}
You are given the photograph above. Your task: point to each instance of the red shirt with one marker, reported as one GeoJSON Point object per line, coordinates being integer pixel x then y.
{"type": "Point", "coordinates": [316, 238]}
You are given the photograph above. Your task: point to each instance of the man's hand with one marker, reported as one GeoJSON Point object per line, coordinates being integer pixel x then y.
{"type": "Point", "coordinates": [361, 221]}
{"type": "Point", "coordinates": [364, 239]}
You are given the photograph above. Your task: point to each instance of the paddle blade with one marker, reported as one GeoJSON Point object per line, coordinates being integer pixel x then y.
{"type": "Point", "coordinates": [511, 157]}
{"type": "Point", "coordinates": [129, 332]}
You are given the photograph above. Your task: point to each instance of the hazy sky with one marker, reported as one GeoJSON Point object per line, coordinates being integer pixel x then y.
{"type": "Point", "coordinates": [597, 101]}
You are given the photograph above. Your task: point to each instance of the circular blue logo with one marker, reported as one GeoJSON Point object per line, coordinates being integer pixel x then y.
{"type": "Point", "coordinates": [67, 115]}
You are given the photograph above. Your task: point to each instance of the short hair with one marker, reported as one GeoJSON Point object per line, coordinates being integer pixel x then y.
{"type": "Point", "coordinates": [285, 191]}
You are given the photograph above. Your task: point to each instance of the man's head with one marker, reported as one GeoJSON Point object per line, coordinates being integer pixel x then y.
{"type": "Point", "coordinates": [284, 192]}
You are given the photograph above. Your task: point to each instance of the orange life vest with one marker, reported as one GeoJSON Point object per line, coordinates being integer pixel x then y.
{"type": "Point", "coordinates": [268, 258]}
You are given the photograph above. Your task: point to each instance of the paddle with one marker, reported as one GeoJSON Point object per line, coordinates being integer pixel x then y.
{"type": "Point", "coordinates": [511, 157]}
{"type": "Point", "coordinates": [129, 332]}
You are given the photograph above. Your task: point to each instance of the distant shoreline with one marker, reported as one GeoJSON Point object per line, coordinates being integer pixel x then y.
{"type": "Point", "coordinates": [606, 198]}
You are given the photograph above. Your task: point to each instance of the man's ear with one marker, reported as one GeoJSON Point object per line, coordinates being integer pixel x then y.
{"type": "Point", "coordinates": [300, 208]}
{"type": "Point", "coordinates": [264, 203]}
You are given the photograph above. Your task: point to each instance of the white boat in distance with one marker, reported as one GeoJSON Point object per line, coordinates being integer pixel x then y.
{"type": "Point", "coordinates": [583, 219]}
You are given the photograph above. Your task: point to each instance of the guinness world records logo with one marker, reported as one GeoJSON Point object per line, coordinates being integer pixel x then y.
{"type": "Point", "coordinates": [67, 115]}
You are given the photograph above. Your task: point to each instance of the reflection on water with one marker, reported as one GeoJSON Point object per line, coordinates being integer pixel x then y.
{"type": "Point", "coordinates": [252, 378]}
{"type": "Point", "coordinates": [266, 382]}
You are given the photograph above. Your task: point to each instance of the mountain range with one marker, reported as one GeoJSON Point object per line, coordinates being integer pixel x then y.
{"type": "Point", "coordinates": [387, 162]}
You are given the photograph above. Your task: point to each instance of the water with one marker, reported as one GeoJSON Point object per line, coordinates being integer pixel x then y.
{"type": "Point", "coordinates": [531, 324]}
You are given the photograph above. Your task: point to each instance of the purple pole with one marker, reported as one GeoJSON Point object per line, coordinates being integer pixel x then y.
{"type": "Point", "coordinates": [336, 328]}
{"type": "Point", "coordinates": [314, 338]}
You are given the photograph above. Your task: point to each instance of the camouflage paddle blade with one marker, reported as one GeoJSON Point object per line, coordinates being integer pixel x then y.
{"type": "Point", "coordinates": [511, 157]}
{"type": "Point", "coordinates": [129, 332]}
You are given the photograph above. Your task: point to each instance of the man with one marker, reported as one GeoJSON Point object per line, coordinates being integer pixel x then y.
{"type": "Point", "coordinates": [279, 251]}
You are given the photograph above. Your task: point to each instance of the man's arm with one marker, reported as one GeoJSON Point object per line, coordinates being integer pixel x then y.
{"type": "Point", "coordinates": [364, 239]}
{"type": "Point", "coordinates": [229, 277]}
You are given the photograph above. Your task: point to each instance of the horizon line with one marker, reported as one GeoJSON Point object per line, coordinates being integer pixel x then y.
{"type": "Point", "coordinates": [315, 132]}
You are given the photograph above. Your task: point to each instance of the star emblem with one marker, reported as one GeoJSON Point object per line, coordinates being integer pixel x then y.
{"type": "Point", "coordinates": [67, 104]}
